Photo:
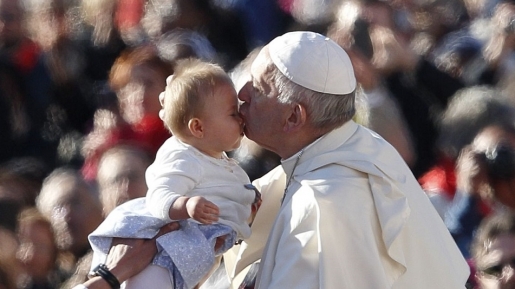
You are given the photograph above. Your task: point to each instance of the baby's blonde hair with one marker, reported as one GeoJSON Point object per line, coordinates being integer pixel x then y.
{"type": "Point", "coordinates": [193, 80]}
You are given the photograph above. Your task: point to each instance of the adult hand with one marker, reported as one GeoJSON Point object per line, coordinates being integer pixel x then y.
{"type": "Point", "coordinates": [471, 174]}
{"type": "Point", "coordinates": [128, 257]}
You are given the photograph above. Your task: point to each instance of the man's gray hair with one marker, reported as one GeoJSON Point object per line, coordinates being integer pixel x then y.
{"type": "Point", "coordinates": [55, 179]}
{"type": "Point", "coordinates": [324, 110]}
{"type": "Point", "coordinates": [469, 110]}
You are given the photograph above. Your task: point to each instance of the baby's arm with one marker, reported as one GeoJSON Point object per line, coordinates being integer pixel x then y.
{"type": "Point", "coordinates": [170, 179]}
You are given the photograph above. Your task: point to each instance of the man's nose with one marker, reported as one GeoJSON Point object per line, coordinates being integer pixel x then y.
{"type": "Point", "coordinates": [244, 94]}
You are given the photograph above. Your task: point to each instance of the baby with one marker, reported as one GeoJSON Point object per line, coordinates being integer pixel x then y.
{"type": "Point", "coordinates": [192, 181]}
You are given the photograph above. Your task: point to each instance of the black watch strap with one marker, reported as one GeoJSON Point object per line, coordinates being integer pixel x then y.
{"type": "Point", "coordinates": [102, 271]}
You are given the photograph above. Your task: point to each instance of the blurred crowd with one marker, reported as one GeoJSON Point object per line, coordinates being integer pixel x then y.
{"type": "Point", "coordinates": [79, 124]}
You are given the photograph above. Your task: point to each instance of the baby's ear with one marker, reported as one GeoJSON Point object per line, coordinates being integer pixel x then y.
{"type": "Point", "coordinates": [196, 127]}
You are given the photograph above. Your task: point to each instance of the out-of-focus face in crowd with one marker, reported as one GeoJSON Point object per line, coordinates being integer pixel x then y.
{"type": "Point", "coordinates": [499, 263]}
{"type": "Point", "coordinates": [138, 77]}
{"type": "Point", "coordinates": [121, 176]}
{"type": "Point", "coordinates": [10, 22]}
{"type": "Point", "coordinates": [37, 250]}
{"type": "Point", "coordinates": [494, 252]}
{"type": "Point", "coordinates": [497, 148]}
{"type": "Point", "coordinates": [73, 209]}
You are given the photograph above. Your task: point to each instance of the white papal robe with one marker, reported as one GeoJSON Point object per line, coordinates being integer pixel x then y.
{"type": "Point", "coordinates": [354, 217]}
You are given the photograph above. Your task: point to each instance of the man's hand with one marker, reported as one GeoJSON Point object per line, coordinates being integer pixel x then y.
{"type": "Point", "coordinates": [128, 257]}
{"type": "Point", "coordinates": [471, 173]}
{"type": "Point", "coordinates": [202, 210]}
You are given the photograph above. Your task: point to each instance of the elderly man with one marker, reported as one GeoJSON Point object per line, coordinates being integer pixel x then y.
{"type": "Point", "coordinates": [342, 210]}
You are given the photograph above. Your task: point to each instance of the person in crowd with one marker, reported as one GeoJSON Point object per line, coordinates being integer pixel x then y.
{"type": "Point", "coordinates": [380, 110]}
{"type": "Point", "coordinates": [180, 43]}
{"type": "Point", "coordinates": [469, 111]}
{"type": "Point", "coordinates": [74, 210]}
{"type": "Point", "coordinates": [24, 89]}
{"type": "Point", "coordinates": [485, 173]}
{"type": "Point", "coordinates": [21, 180]}
{"type": "Point", "coordinates": [137, 78]}
{"type": "Point", "coordinates": [10, 268]}
{"type": "Point", "coordinates": [121, 175]}
{"type": "Point", "coordinates": [192, 180]}
{"type": "Point", "coordinates": [22, 52]}
{"type": "Point", "coordinates": [343, 210]}
{"type": "Point", "coordinates": [409, 77]}
{"type": "Point", "coordinates": [493, 251]}
{"type": "Point", "coordinates": [222, 27]}
{"type": "Point", "coordinates": [498, 51]}
{"type": "Point", "coordinates": [481, 52]}
{"type": "Point", "coordinates": [38, 251]}
{"type": "Point", "coordinates": [101, 37]}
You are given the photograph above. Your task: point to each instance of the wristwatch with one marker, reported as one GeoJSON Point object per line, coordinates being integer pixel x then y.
{"type": "Point", "coordinates": [102, 271]}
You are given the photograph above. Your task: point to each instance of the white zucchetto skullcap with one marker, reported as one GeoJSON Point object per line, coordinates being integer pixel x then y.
{"type": "Point", "coordinates": [314, 62]}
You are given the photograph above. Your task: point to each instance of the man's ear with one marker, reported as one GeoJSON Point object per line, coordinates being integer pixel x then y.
{"type": "Point", "coordinates": [196, 127]}
{"type": "Point", "coordinates": [296, 119]}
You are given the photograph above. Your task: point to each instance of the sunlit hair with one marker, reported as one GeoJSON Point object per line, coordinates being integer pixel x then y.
{"type": "Point", "coordinates": [99, 14]}
{"type": "Point", "coordinates": [120, 74]}
{"type": "Point", "coordinates": [184, 43]}
{"type": "Point", "coordinates": [490, 229]}
{"type": "Point", "coordinates": [469, 111]}
{"type": "Point", "coordinates": [105, 174]}
{"type": "Point", "coordinates": [124, 150]}
{"type": "Point", "coordinates": [192, 81]}
{"type": "Point", "coordinates": [120, 151]}
{"type": "Point", "coordinates": [240, 74]}
{"type": "Point", "coordinates": [324, 110]}
{"type": "Point", "coordinates": [32, 215]}
{"type": "Point", "coordinates": [58, 177]}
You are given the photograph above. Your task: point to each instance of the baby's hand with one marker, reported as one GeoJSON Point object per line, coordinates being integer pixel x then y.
{"type": "Point", "coordinates": [220, 242]}
{"type": "Point", "coordinates": [202, 210]}
{"type": "Point", "coordinates": [256, 204]}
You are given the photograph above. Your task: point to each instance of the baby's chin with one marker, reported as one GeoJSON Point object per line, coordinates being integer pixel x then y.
{"type": "Point", "coordinates": [237, 144]}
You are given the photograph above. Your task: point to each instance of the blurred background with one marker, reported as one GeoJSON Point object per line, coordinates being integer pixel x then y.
{"type": "Point", "coordinates": [79, 86]}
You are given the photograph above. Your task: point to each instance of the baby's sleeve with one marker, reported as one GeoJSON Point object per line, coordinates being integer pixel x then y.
{"type": "Point", "coordinates": [172, 175]}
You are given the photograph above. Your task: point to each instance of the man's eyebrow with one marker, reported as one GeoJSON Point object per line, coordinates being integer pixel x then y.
{"type": "Point", "coordinates": [259, 87]}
